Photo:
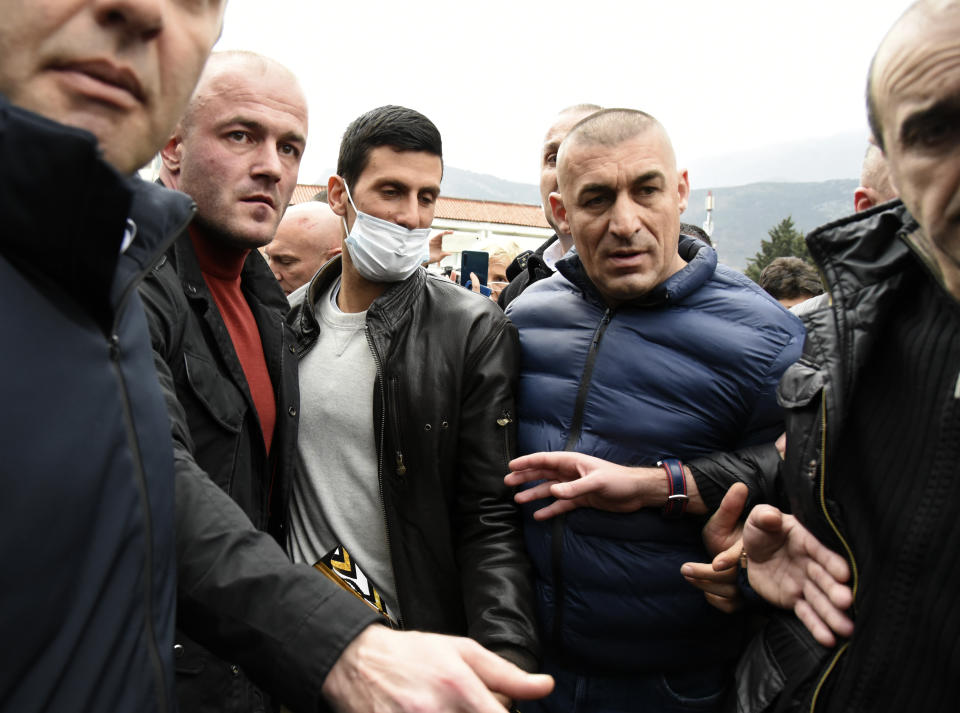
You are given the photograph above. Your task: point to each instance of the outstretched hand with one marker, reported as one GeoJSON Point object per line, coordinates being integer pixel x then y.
{"type": "Point", "coordinates": [578, 480]}
{"type": "Point", "coordinates": [408, 671]}
{"type": "Point", "coordinates": [722, 536]}
{"type": "Point", "coordinates": [789, 567]}
{"type": "Point", "coordinates": [437, 253]}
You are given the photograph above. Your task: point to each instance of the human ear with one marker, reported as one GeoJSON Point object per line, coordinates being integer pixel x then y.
{"type": "Point", "coordinates": [559, 213]}
{"type": "Point", "coordinates": [172, 153]}
{"type": "Point", "coordinates": [683, 189]}
{"type": "Point", "coordinates": [337, 196]}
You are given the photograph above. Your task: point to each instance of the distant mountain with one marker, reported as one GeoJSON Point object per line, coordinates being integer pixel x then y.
{"type": "Point", "coordinates": [742, 215]}
{"type": "Point", "coordinates": [458, 183]}
{"type": "Point", "coordinates": [753, 190]}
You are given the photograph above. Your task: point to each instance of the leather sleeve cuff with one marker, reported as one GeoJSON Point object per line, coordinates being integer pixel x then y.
{"type": "Point", "coordinates": [710, 492]}
{"type": "Point", "coordinates": [517, 656]}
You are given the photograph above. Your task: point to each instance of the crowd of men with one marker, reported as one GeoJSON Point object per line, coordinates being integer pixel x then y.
{"type": "Point", "coordinates": [323, 478]}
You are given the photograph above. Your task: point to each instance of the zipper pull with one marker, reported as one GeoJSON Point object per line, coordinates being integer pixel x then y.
{"type": "Point", "coordinates": [504, 419]}
{"type": "Point", "coordinates": [401, 468]}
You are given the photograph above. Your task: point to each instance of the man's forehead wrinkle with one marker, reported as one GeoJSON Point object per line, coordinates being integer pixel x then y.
{"type": "Point", "coordinates": [919, 43]}
{"type": "Point", "coordinates": [903, 74]}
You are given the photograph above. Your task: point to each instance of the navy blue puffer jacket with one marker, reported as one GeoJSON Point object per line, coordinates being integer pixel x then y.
{"type": "Point", "coordinates": [689, 369]}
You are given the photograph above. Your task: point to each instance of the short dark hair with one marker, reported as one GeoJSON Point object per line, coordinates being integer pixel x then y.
{"type": "Point", "coordinates": [610, 127]}
{"type": "Point", "coordinates": [696, 232]}
{"type": "Point", "coordinates": [399, 128]}
{"type": "Point", "coordinates": [787, 278]}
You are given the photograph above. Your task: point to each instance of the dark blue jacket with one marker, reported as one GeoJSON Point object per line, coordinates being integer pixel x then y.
{"type": "Point", "coordinates": [689, 369]}
{"type": "Point", "coordinates": [96, 476]}
{"type": "Point", "coordinates": [87, 585]}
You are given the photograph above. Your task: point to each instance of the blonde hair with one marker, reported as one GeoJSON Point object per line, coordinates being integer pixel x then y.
{"type": "Point", "coordinates": [500, 249]}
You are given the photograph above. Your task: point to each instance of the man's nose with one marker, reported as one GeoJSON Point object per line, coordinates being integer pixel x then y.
{"type": "Point", "coordinates": [623, 217]}
{"type": "Point", "coordinates": [267, 162]}
{"type": "Point", "coordinates": [408, 213]}
{"type": "Point", "coordinates": [139, 18]}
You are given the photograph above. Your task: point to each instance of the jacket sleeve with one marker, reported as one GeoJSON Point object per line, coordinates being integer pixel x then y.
{"type": "Point", "coordinates": [497, 579]}
{"type": "Point", "coordinates": [238, 593]}
{"type": "Point", "coordinates": [758, 467]}
{"type": "Point", "coordinates": [240, 596]}
{"type": "Point", "coordinates": [756, 461]}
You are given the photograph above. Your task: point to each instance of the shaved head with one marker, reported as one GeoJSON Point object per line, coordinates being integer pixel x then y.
{"type": "Point", "coordinates": [914, 97]}
{"type": "Point", "coordinates": [232, 63]}
{"type": "Point", "coordinates": [611, 127]}
{"type": "Point", "coordinates": [237, 149]}
{"type": "Point", "coordinates": [309, 235]}
{"type": "Point", "coordinates": [876, 186]}
{"type": "Point", "coordinates": [901, 39]}
{"type": "Point", "coordinates": [562, 123]}
{"type": "Point", "coordinates": [875, 174]}
{"type": "Point", "coordinates": [621, 197]}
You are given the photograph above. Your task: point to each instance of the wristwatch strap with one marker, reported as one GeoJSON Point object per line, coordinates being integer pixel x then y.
{"type": "Point", "coordinates": [676, 488]}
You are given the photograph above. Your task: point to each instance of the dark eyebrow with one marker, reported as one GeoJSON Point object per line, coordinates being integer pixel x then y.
{"type": "Point", "coordinates": [245, 123]}
{"type": "Point", "coordinates": [946, 110]}
{"type": "Point", "coordinates": [392, 183]}
{"type": "Point", "coordinates": [648, 176]}
{"type": "Point", "coordinates": [257, 127]}
{"type": "Point", "coordinates": [294, 137]}
{"type": "Point", "coordinates": [594, 188]}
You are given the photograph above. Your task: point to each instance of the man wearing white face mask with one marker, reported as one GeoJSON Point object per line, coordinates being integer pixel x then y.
{"type": "Point", "coordinates": [407, 408]}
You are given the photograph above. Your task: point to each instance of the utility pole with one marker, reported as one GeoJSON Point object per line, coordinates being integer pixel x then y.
{"type": "Point", "coordinates": [708, 221]}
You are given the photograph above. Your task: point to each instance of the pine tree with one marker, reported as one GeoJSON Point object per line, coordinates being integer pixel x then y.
{"type": "Point", "coordinates": [785, 241]}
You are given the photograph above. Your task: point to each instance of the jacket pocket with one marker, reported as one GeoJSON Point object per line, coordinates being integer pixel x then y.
{"type": "Point", "coordinates": [777, 669]}
{"type": "Point", "coordinates": [217, 394]}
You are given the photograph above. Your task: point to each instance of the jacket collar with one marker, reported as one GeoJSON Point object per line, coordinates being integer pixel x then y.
{"type": "Point", "coordinates": [390, 308]}
{"type": "Point", "coordinates": [864, 258]}
{"type": "Point", "coordinates": [701, 264]}
{"type": "Point", "coordinates": [71, 238]}
{"type": "Point", "coordinates": [255, 276]}
{"type": "Point", "coordinates": [522, 261]}
{"type": "Point", "coordinates": [863, 249]}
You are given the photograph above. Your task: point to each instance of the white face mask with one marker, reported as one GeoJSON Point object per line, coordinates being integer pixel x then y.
{"type": "Point", "coordinates": [383, 251]}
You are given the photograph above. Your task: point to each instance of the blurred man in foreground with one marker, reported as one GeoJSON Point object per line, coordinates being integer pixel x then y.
{"type": "Point", "coordinates": [873, 412]}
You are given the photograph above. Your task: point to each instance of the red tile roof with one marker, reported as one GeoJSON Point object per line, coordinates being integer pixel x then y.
{"type": "Point", "coordinates": [305, 192]}
{"type": "Point", "coordinates": [462, 209]}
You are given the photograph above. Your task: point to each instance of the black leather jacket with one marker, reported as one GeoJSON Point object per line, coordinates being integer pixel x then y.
{"type": "Point", "coordinates": [526, 268]}
{"type": "Point", "coordinates": [200, 371]}
{"type": "Point", "coordinates": [864, 259]}
{"type": "Point", "coordinates": [444, 421]}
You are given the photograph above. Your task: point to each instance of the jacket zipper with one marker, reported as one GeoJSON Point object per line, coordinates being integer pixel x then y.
{"type": "Point", "coordinates": [576, 426]}
{"type": "Point", "coordinates": [380, 446]}
{"type": "Point", "coordinates": [401, 469]}
{"type": "Point", "coordinates": [113, 341]}
{"type": "Point", "coordinates": [506, 418]}
{"type": "Point", "coordinates": [836, 531]}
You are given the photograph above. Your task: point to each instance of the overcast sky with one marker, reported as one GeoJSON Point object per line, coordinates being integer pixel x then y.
{"type": "Point", "coordinates": [721, 76]}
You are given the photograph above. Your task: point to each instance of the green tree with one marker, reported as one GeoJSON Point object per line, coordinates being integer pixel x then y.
{"type": "Point", "coordinates": [785, 241]}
